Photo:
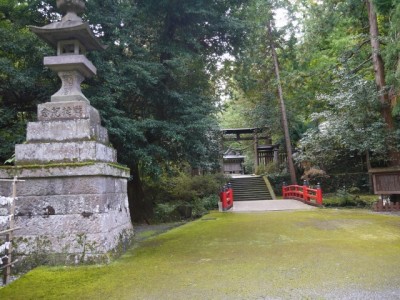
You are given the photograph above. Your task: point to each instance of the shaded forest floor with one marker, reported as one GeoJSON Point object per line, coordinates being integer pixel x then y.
{"type": "Point", "coordinates": [322, 254]}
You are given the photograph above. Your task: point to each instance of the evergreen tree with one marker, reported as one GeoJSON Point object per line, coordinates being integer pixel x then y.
{"type": "Point", "coordinates": [23, 81]}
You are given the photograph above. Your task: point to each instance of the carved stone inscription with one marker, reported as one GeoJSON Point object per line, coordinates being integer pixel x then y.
{"type": "Point", "coordinates": [388, 183]}
{"type": "Point", "coordinates": [62, 111]}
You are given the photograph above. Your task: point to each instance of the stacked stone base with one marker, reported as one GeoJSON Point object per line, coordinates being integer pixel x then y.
{"type": "Point", "coordinates": [73, 205]}
{"type": "Point", "coordinates": [70, 213]}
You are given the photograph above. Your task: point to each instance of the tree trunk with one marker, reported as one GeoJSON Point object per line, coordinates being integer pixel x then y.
{"type": "Point", "coordinates": [139, 209]}
{"type": "Point", "coordinates": [283, 108]}
{"type": "Point", "coordinates": [379, 67]}
{"type": "Point", "coordinates": [379, 70]}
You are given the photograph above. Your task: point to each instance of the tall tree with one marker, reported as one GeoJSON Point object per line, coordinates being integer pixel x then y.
{"type": "Point", "coordinates": [285, 124]}
{"type": "Point", "coordinates": [379, 67]}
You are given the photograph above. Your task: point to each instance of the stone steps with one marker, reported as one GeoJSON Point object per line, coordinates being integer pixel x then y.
{"type": "Point", "coordinates": [250, 188]}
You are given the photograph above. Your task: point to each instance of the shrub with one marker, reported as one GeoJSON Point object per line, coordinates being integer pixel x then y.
{"type": "Point", "coordinates": [201, 206]}
{"type": "Point", "coordinates": [260, 170]}
{"type": "Point", "coordinates": [277, 181]}
{"type": "Point", "coordinates": [166, 212]}
{"type": "Point", "coordinates": [188, 188]}
{"type": "Point", "coordinates": [337, 181]}
{"type": "Point", "coordinates": [348, 198]}
{"type": "Point", "coordinates": [185, 196]}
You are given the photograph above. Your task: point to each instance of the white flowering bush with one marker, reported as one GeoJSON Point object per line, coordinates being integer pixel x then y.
{"type": "Point", "coordinates": [350, 123]}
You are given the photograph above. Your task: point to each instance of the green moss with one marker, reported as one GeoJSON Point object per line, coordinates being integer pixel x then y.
{"type": "Point", "coordinates": [118, 166]}
{"type": "Point", "coordinates": [45, 166]}
{"type": "Point", "coordinates": [60, 165]}
{"type": "Point", "coordinates": [287, 255]}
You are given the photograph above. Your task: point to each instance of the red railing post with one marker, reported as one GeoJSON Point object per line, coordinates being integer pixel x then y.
{"type": "Point", "coordinates": [319, 194]}
{"type": "Point", "coordinates": [305, 191]}
{"type": "Point", "coordinates": [230, 195]}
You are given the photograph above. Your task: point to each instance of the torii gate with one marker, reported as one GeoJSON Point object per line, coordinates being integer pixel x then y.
{"type": "Point", "coordinates": [263, 154]}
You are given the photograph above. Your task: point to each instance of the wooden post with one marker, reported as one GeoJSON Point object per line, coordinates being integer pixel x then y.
{"type": "Point", "coordinates": [276, 155]}
{"type": "Point", "coordinates": [305, 191]}
{"type": "Point", "coordinates": [256, 162]}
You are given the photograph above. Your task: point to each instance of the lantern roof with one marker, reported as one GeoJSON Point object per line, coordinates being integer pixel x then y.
{"type": "Point", "coordinates": [71, 27]}
{"type": "Point", "coordinates": [68, 30]}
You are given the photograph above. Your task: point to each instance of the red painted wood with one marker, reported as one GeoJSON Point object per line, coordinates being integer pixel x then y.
{"type": "Point", "coordinates": [303, 193]}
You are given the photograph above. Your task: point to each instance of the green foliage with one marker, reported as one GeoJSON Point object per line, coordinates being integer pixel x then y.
{"type": "Point", "coordinates": [391, 52]}
{"type": "Point", "coordinates": [202, 206]}
{"type": "Point", "coordinates": [253, 101]}
{"type": "Point", "coordinates": [166, 212]}
{"type": "Point", "coordinates": [351, 124]}
{"type": "Point", "coordinates": [12, 130]}
{"type": "Point", "coordinates": [187, 188]}
{"type": "Point", "coordinates": [384, 6]}
{"type": "Point", "coordinates": [335, 181]}
{"type": "Point", "coordinates": [277, 181]}
{"type": "Point", "coordinates": [349, 198]}
{"type": "Point", "coordinates": [23, 82]}
{"type": "Point", "coordinates": [184, 196]}
{"type": "Point", "coordinates": [260, 170]}
{"type": "Point", "coordinates": [270, 168]}
{"type": "Point", "coordinates": [153, 88]}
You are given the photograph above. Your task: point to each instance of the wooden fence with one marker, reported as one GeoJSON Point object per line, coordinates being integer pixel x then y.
{"type": "Point", "coordinates": [386, 205]}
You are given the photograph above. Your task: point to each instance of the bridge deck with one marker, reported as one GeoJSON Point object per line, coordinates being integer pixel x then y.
{"type": "Point", "coordinates": [269, 205]}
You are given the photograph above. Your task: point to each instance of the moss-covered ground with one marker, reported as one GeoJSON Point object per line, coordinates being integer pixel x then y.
{"type": "Point", "coordinates": [321, 254]}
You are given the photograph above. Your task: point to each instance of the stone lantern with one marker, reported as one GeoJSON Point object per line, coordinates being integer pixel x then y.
{"type": "Point", "coordinates": [74, 195]}
{"type": "Point", "coordinates": [72, 38]}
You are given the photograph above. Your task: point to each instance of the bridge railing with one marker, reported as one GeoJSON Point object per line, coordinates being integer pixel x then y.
{"type": "Point", "coordinates": [226, 197]}
{"type": "Point", "coordinates": [303, 193]}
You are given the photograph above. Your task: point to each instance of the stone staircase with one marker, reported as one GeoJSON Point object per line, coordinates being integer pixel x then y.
{"type": "Point", "coordinates": [250, 188]}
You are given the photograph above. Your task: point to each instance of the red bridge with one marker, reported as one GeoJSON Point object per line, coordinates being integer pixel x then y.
{"type": "Point", "coordinates": [303, 193]}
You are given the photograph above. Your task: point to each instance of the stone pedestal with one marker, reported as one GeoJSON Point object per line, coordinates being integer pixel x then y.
{"type": "Point", "coordinates": [73, 206]}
